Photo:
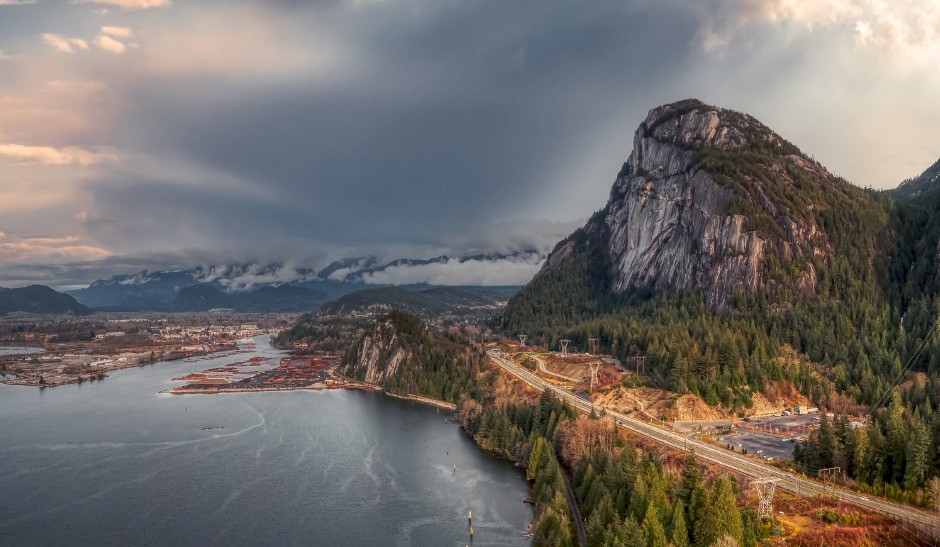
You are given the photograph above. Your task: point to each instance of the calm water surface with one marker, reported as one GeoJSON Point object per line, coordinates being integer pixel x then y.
{"type": "Point", "coordinates": [119, 463]}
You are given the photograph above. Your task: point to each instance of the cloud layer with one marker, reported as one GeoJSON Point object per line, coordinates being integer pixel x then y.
{"type": "Point", "coordinates": [309, 131]}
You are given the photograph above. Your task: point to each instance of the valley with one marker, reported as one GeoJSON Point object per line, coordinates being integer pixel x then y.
{"type": "Point", "coordinates": [470, 273]}
{"type": "Point", "coordinates": [735, 320]}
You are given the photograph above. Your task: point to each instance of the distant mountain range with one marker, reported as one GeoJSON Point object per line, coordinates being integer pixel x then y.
{"type": "Point", "coordinates": [250, 287]}
{"type": "Point", "coordinates": [39, 299]}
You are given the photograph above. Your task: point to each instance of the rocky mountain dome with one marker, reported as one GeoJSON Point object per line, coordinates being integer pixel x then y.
{"type": "Point", "coordinates": [711, 199]}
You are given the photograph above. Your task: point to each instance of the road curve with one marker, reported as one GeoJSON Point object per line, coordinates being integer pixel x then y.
{"type": "Point", "coordinates": [545, 370]}
{"type": "Point", "coordinates": [728, 458]}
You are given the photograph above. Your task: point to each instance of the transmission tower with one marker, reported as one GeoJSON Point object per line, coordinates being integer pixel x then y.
{"type": "Point", "coordinates": [640, 363]}
{"type": "Point", "coordinates": [564, 347]}
{"type": "Point", "coordinates": [765, 496]}
{"type": "Point", "coordinates": [828, 476]}
{"type": "Point", "coordinates": [522, 338]}
{"type": "Point", "coordinates": [594, 369]}
{"type": "Point", "coordinates": [592, 346]}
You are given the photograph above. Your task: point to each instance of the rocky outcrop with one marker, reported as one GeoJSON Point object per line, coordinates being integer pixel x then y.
{"type": "Point", "coordinates": [379, 356]}
{"type": "Point", "coordinates": [672, 224]}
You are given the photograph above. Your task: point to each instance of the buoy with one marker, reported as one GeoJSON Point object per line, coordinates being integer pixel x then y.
{"type": "Point", "coordinates": [470, 518]}
{"type": "Point", "coordinates": [455, 467]}
{"type": "Point", "coordinates": [471, 533]}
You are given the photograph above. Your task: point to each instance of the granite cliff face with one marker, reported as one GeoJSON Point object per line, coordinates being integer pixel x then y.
{"type": "Point", "coordinates": [698, 206]}
{"type": "Point", "coordinates": [400, 353]}
{"type": "Point", "coordinates": [379, 355]}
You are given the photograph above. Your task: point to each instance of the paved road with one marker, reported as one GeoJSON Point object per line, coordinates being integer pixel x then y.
{"type": "Point", "coordinates": [544, 369]}
{"type": "Point", "coordinates": [727, 458]}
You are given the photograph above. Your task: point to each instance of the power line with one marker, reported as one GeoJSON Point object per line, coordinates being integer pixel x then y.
{"type": "Point", "coordinates": [907, 366]}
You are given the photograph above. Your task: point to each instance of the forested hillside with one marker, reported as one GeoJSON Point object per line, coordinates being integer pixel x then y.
{"type": "Point", "coordinates": [39, 299]}
{"type": "Point", "coordinates": [480, 302]}
{"type": "Point", "coordinates": [763, 266]}
{"type": "Point", "coordinates": [626, 495]}
{"type": "Point", "coordinates": [402, 356]}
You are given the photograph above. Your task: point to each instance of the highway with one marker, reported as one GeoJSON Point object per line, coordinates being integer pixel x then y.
{"type": "Point", "coordinates": [732, 460]}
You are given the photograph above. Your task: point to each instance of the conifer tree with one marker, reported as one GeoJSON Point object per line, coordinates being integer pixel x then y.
{"type": "Point", "coordinates": [538, 457]}
{"type": "Point", "coordinates": [679, 536]}
{"type": "Point", "coordinates": [917, 457]}
{"type": "Point", "coordinates": [725, 511]}
{"type": "Point", "coordinates": [655, 535]}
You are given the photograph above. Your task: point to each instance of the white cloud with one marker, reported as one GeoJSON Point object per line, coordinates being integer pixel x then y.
{"type": "Point", "coordinates": [107, 43]}
{"type": "Point", "coordinates": [48, 249]}
{"type": "Point", "coordinates": [118, 32]}
{"type": "Point", "coordinates": [4, 56]}
{"type": "Point", "coordinates": [47, 155]}
{"type": "Point", "coordinates": [500, 272]}
{"type": "Point", "coordinates": [246, 278]}
{"type": "Point", "coordinates": [64, 44]}
{"type": "Point", "coordinates": [905, 29]}
{"type": "Point", "coordinates": [107, 40]}
{"type": "Point", "coordinates": [863, 32]}
{"type": "Point", "coordinates": [17, 2]}
{"type": "Point", "coordinates": [129, 4]}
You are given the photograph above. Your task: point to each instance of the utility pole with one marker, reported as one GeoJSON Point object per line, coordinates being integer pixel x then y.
{"type": "Point", "coordinates": [594, 368]}
{"type": "Point", "coordinates": [522, 338]}
{"type": "Point", "coordinates": [564, 347]}
{"type": "Point", "coordinates": [828, 476]}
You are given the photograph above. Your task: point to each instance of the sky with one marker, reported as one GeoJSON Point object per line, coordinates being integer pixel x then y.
{"type": "Point", "coordinates": [158, 134]}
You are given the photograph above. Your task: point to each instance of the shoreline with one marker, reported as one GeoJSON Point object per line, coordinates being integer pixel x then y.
{"type": "Point", "coordinates": [13, 379]}
{"type": "Point", "coordinates": [410, 397]}
{"type": "Point", "coordinates": [316, 387]}
{"type": "Point", "coordinates": [425, 400]}
{"type": "Point", "coordinates": [349, 385]}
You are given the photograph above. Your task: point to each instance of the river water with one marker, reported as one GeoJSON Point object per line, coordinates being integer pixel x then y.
{"type": "Point", "coordinates": [117, 462]}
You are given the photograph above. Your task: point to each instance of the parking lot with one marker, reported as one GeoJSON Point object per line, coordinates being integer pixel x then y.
{"type": "Point", "coordinates": [790, 425]}
{"type": "Point", "coordinates": [778, 447]}
{"type": "Point", "coordinates": [772, 436]}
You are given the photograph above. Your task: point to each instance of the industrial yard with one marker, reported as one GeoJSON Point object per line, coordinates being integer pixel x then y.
{"type": "Point", "coordinates": [260, 374]}
{"type": "Point", "coordinates": [50, 352]}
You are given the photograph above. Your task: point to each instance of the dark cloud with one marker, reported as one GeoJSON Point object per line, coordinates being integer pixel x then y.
{"type": "Point", "coordinates": [292, 130]}
{"type": "Point", "coordinates": [449, 118]}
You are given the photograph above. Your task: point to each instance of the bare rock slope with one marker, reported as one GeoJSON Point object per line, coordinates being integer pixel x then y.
{"type": "Point", "coordinates": [710, 199]}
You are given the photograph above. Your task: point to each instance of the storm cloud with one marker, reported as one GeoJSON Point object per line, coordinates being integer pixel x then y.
{"type": "Point", "coordinates": [152, 132]}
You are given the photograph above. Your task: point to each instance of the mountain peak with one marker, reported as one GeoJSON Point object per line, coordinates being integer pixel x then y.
{"type": "Point", "coordinates": [692, 124]}
{"type": "Point", "coordinates": [711, 200]}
